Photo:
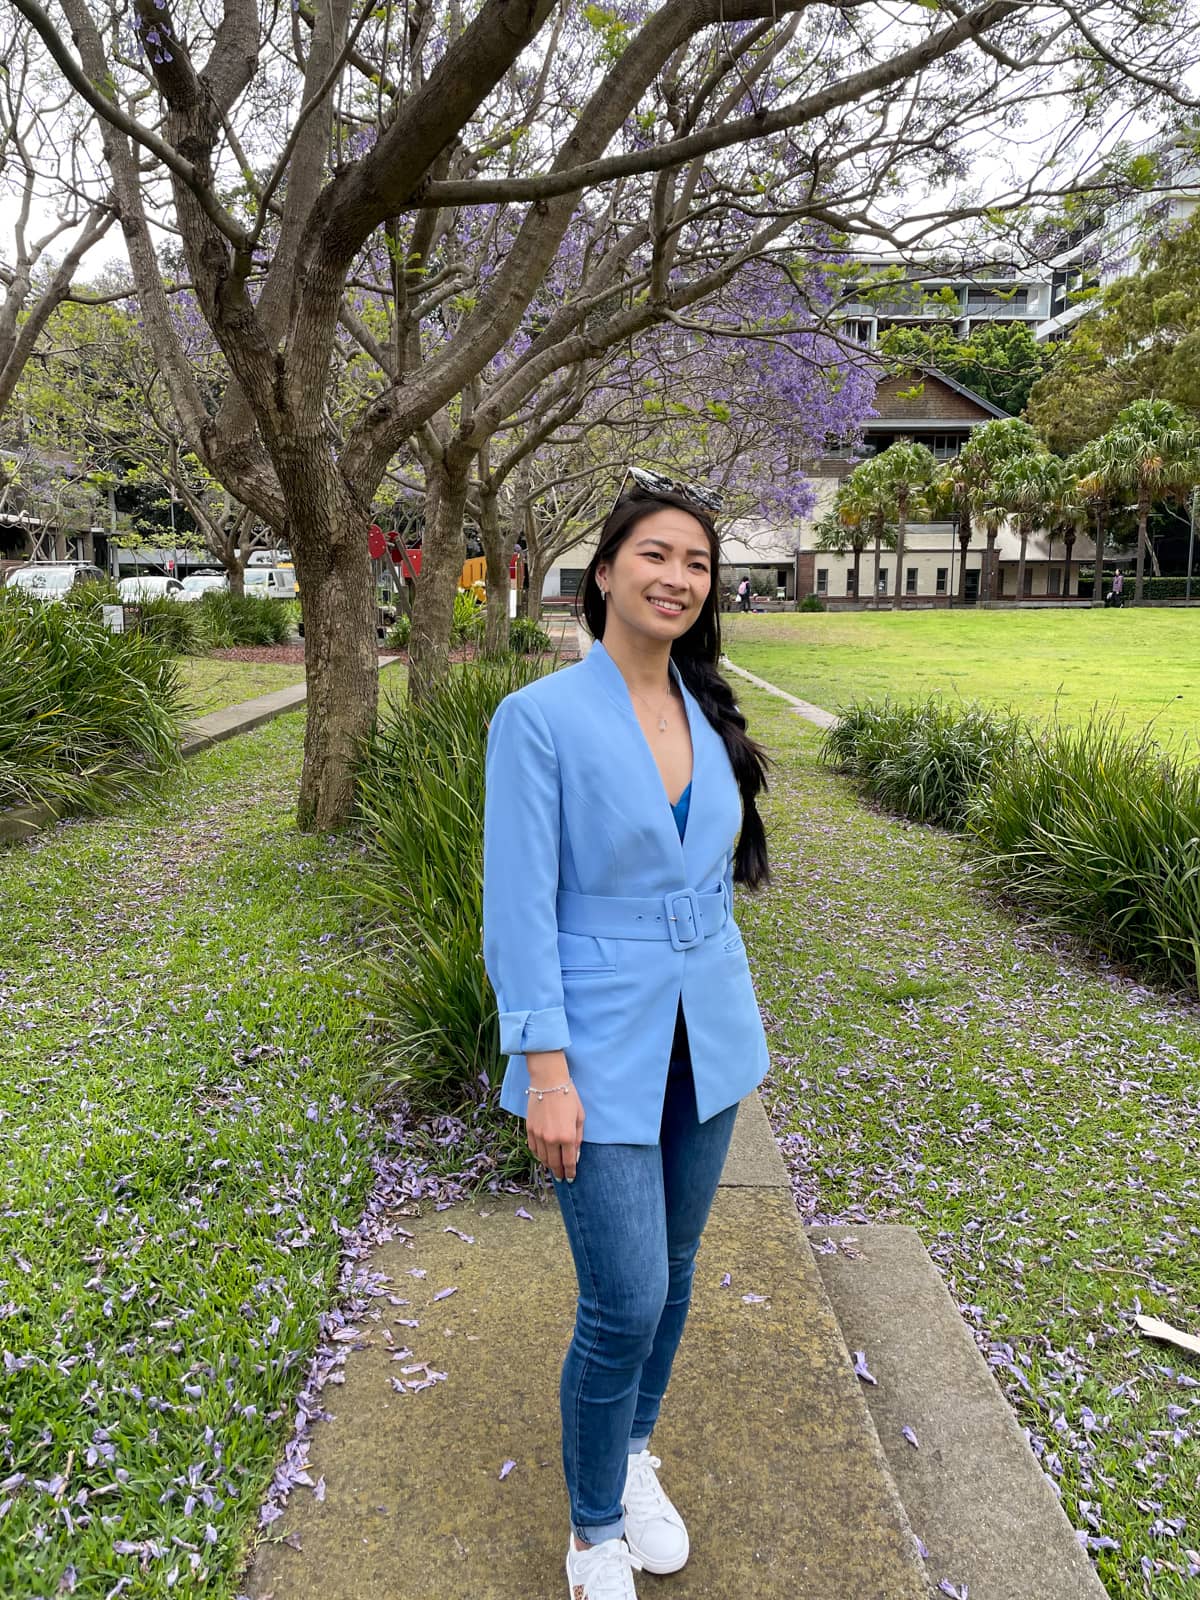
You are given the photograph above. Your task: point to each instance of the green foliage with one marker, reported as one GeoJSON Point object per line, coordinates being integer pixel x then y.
{"type": "Point", "coordinates": [811, 602]}
{"type": "Point", "coordinates": [399, 633]}
{"type": "Point", "coordinates": [526, 638]}
{"type": "Point", "coordinates": [232, 619]}
{"type": "Point", "coordinates": [923, 759]}
{"type": "Point", "coordinates": [469, 621]}
{"type": "Point", "coordinates": [85, 715]}
{"type": "Point", "coordinates": [1142, 340]}
{"type": "Point", "coordinates": [1000, 362]}
{"type": "Point", "coordinates": [420, 807]}
{"type": "Point", "coordinates": [1099, 833]}
{"type": "Point", "coordinates": [176, 623]}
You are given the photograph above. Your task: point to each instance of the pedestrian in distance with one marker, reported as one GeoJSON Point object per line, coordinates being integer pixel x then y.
{"type": "Point", "coordinates": [616, 789]}
{"type": "Point", "coordinates": [1118, 588]}
{"type": "Point", "coordinates": [744, 594]}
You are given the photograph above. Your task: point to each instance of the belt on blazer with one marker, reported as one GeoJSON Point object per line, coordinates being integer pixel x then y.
{"type": "Point", "coordinates": [682, 916]}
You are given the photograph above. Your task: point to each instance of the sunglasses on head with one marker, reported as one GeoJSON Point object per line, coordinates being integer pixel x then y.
{"type": "Point", "coordinates": [659, 483]}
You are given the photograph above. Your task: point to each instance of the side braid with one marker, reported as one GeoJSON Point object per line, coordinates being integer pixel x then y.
{"type": "Point", "coordinates": [747, 758]}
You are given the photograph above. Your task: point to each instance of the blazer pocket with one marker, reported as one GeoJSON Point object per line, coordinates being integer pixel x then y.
{"type": "Point", "coordinates": [734, 941]}
{"type": "Point", "coordinates": [582, 956]}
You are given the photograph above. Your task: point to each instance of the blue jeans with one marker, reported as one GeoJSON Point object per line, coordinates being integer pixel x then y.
{"type": "Point", "coordinates": [634, 1216]}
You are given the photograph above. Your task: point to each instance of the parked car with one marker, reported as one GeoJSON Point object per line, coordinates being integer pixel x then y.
{"type": "Point", "coordinates": [53, 580]}
{"type": "Point", "coordinates": [148, 587]}
{"type": "Point", "coordinates": [198, 583]}
{"type": "Point", "coordinates": [269, 558]}
{"type": "Point", "coordinates": [277, 583]}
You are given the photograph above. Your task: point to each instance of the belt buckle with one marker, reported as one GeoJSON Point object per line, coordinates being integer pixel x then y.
{"type": "Point", "coordinates": [683, 907]}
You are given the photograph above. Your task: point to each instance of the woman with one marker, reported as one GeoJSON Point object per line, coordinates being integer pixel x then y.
{"type": "Point", "coordinates": [615, 790]}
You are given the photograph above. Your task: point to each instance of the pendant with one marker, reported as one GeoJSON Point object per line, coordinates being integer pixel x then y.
{"type": "Point", "coordinates": [662, 724]}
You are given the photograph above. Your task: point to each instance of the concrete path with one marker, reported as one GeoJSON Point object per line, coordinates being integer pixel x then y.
{"type": "Point", "coordinates": [231, 720]}
{"type": "Point", "coordinates": [766, 1440]}
{"type": "Point", "coordinates": [802, 708]}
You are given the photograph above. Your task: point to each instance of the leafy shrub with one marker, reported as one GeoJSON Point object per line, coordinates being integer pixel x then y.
{"type": "Point", "coordinates": [399, 633]}
{"type": "Point", "coordinates": [469, 619]}
{"type": "Point", "coordinates": [235, 619]}
{"type": "Point", "coordinates": [1099, 832]}
{"type": "Point", "coordinates": [420, 806]}
{"type": "Point", "coordinates": [811, 602]}
{"type": "Point", "coordinates": [176, 623]}
{"type": "Point", "coordinates": [91, 596]}
{"type": "Point", "coordinates": [925, 758]}
{"type": "Point", "coordinates": [526, 638]}
{"type": "Point", "coordinates": [85, 715]}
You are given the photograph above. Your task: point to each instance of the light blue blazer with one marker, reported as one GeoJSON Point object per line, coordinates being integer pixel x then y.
{"type": "Point", "coordinates": [597, 919]}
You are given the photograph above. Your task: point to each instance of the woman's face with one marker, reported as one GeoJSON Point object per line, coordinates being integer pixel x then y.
{"type": "Point", "coordinates": [660, 576]}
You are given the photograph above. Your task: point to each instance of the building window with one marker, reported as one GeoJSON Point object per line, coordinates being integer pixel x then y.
{"type": "Point", "coordinates": [943, 579]}
{"type": "Point", "coordinates": [569, 581]}
{"type": "Point", "coordinates": [910, 581]}
{"type": "Point", "coordinates": [883, 581]}
{"type": "Point", "coordinates": [851, 587]}
{"type": "Point", "coordinates": [946, 446]}
{"type": "Point", "coordinates": [1028, 581]}
{"type": "Point", "coordinates": [822, 580]}
{"type": "Point", "coordinates": [1053, 581]}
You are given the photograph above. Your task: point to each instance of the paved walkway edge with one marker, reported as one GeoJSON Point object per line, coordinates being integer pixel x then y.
{"type": "Point", "coordinates": [21, 822]}
{"type": "Point", "coordinates": [972, 1487]}
{"type": "Point", "coordinates": [802, 708]}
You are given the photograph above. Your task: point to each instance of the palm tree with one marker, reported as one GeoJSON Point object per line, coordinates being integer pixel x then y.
{"type": "Point", "coordinates": [1067, 517]}
{"type": "Point", "coordinates": [907, 470]}
{"type": "Point", "coordinates": [866, 507]}
{"type": "Point", "coordinates": [976, 471]}
{"type": "Point", "coordinates": [1086, 467]}
{"type": "Point", "coordinates": [1151, 451]}
{"type": "Point", "coordinates": [1028, 488]}
{"type": "Point", "coordinates": [949, 496]}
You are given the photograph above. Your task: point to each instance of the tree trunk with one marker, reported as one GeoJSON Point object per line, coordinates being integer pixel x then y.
{"type": "Point", "coordinates": [443, 551]}
{"type": "Point", "coordinates": [333, 569]}
{"type": "Point", "coordinates": [1069, 541]}
{"type": "Point", "coordinates": [1021, 565]}
{"type": "Point", "coordinates": [495, 548]}
{"type": "Point", "coordinates": [1098, 575]}
{"type": "Point", "coordinates": [989, 563]}
{"type": "Point", "coordinates": [901, 530]}
{"type": "Point", "coordinates": [858, 555]}
{"type": "Point", "coordinates": [964, 544]}
{"type": "Point", "coordinates": [1143, 520]}
{"type": "Point", "coordinates": [875, 580]}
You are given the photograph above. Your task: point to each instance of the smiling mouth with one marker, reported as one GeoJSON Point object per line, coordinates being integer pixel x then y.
{"type": "Point", "coordinates": [669, 608]}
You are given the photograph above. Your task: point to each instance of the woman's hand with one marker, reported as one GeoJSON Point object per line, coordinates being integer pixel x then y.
{"type": "Point", "coordinates": [554, 1131]}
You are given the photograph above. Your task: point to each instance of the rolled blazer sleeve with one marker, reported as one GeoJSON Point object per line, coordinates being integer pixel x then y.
{"type": "Point", "coordinates": [520, 879]}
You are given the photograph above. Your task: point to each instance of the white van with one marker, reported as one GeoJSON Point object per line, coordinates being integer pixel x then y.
{"type": "Point", "coordinates": [277, 583]}
{"type": "Point", "coordinates": [149, 586]}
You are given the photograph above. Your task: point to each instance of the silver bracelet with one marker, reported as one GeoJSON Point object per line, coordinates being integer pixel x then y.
{"type": "Point", "coordinates": [558, 1088]}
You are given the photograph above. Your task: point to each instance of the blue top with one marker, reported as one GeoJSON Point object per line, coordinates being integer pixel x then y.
{"type": "Point", "coordinates": [680, 810]}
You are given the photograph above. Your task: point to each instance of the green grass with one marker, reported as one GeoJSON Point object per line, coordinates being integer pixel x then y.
{"type": "Point", "coordinates": [211, 685]}
{"type": "Point", "coordinates": [1035, 1117]}
{"type": "Point", "coordinates": [182, 1051]}
{"type": "Point", "coordinates": [1145, 664]}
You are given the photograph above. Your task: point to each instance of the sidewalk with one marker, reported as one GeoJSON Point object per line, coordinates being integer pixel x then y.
{"type": "Point", "coordinates": [766, 1439]}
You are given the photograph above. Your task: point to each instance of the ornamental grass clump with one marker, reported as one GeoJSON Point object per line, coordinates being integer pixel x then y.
{"type": "Point", "coordinates": [1098, 832]}
{"type": "Point", "coordinates": [86, 715]}
{"type": "Point", "coordinates": [229, 619]}
{"type": "Point", "coordinates": [923, 759]}
{"type": "Point", "coordinates": [420, 808]}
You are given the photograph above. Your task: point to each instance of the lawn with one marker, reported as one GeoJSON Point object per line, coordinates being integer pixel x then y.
{"type": "Point", "coordinates": [211, 684]}
{"type": "Point", "coordinates": [1034, 1116]}
{"type": "Point", "coordinates": [179, 1070]}
{"type": "Point", "coordinates": [1145, 663]}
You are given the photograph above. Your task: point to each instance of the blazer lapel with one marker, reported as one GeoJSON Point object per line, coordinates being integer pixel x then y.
{"type": "Point", "coordinates": [646, 798]}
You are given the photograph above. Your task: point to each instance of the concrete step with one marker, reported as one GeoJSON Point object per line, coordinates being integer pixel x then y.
{"type": "Point", "coordinates": [767, 1443]}
{"type": "Point", "coordinates": [972, 1488]}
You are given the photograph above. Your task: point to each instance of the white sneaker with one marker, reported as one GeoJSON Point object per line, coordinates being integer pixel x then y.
{"type": "Point", "coordinates": [654, 1530]}
{"type": "Point", "coordinates": [603, 1572]}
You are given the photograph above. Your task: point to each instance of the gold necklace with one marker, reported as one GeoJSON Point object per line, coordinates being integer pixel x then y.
{"type": "Point", "coordinates": [662, 721]}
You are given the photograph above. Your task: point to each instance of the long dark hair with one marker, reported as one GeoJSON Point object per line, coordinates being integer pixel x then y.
{"type": "Point", "coordinates": [696, 654]}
